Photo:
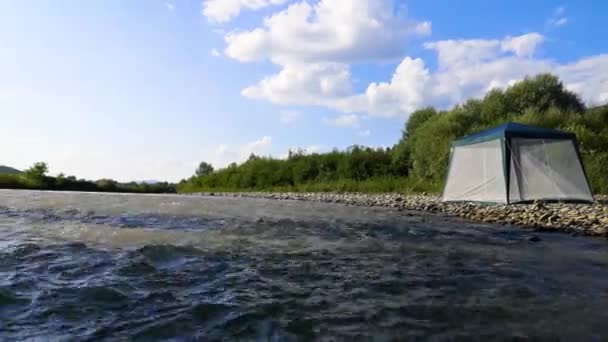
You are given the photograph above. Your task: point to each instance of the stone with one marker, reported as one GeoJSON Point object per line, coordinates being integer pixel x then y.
{"type": "Point", "coordinates": [566, 217]}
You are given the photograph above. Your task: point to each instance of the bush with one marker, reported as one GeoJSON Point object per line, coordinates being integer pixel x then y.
{"type": "Point", "coordinates": [419, 161]}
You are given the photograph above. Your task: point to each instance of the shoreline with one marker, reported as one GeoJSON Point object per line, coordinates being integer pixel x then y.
{"type": "Point", "coordinates": [573, 218]}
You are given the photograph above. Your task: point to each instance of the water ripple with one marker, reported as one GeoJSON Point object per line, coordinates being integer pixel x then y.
{"type": "Point", "coordinates": [285, 274]}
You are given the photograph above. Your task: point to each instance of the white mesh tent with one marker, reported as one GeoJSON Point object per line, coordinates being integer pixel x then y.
{"type": "Point", "coordinates": [516, 163]}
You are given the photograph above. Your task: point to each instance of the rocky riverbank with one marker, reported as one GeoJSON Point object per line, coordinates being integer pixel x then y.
{"type": "Point", "coordinates": [586, 219]}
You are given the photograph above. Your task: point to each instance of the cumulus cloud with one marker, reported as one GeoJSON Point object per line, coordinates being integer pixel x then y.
{"type": "Point", "coordinates": [345, 120]}
{"type": "Point", "coordinates": [490, 64]}
{"type": "Point", "coordinates": [328, 31]}
{"type": "Point", "coordinates": [221, 11]}
{"type": "Point", "coordinates": [466, 68]}
{"type": "Point", "coordinates": [587, 77]}
{"type": "Point", "coordinates": [524, 45]}
{"type": "Point", "coordinates": [403, 94]}
{"type": "Point", "coordinates": [306, 84]}
{"type": "Point", "coordinates": [458, 52]}
{"type": "Point", "coordinates": [314, 46]}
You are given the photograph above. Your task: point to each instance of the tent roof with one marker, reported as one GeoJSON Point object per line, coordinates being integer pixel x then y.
{"type": "Point", "coordinates": [514, 130]}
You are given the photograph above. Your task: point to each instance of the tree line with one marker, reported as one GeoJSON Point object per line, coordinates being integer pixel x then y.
{"type": "Point", "coordinates": [37, 178]}
{"type": "Point", "coordinates": [419, 160]}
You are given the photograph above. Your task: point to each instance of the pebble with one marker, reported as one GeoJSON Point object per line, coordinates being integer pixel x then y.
{"type": "Point", "coordinates": [573, 218]}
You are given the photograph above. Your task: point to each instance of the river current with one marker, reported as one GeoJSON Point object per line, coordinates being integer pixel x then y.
{"type": "Point", "coordinates": [89, 266]}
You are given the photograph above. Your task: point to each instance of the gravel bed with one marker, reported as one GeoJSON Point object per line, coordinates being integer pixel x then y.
{"type": "Point", "coordinates": [575, 218]}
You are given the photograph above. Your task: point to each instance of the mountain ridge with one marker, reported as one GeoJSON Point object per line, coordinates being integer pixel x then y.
{"type": "Point", "coordinates": [8, 170]}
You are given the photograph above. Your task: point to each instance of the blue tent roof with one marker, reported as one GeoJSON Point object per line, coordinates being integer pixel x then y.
{"type": "Point", "coordinates": [514, 130]}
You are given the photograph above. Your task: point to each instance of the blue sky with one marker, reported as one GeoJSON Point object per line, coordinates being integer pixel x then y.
{"type": "Point", "coordinates": [136, 90]}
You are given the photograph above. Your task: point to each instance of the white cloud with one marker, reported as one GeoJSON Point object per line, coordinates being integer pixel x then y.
{"type": "Point", "coordinates": [587, 77]}
{"type": "Point", "coordinates": [289, 116]}
{"type": "Point", "coordinates": [306, 84]}
{"type": "Point", "coordinates": [315, 44]}
{"type": "Point", "coordinates": [557, 19]}
{"type": "Point", "coordinates": [328, 31]}
{"type": "Point", "coordinates": [464, 51]}
{"type": "Point", "coordinates": [221, 11]}
{"type": "Point", "coordinates": [524, 45]}
{"type": "Point", "coordinates": [466, 68]}
{"type": "Point", "coordinates": [345, 120]}
{"type": "Point", "coordinates": [170, 5]}
{"type": "Point", "coordinates": [215, 53]}
{"type": "Point", "coordinates": [490, 64]}
{"type": "Point", "coordinates": [364, 133]}
{"type": "Point", "coordinates": [403, 94]}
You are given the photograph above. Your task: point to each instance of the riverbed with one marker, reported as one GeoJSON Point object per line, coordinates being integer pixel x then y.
{"type": "Point", "coordinates": [91, 266]}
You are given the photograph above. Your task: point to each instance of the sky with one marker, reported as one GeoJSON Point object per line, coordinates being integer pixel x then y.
{"type": "Point", "coordinates": [145, 89]}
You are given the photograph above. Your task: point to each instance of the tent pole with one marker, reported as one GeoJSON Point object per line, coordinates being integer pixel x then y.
{"type": "Point", "coordinates": [506, 155]}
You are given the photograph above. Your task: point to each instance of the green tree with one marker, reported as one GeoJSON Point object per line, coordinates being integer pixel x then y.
{"type": "Point", "coordinates": [541, 93]}
{"type": "Point", "coordinates": [37, 171]}
{"type": "Point", "coordinates": [204, 169]}
{"type": "Point", "coordinates": [420, 158]}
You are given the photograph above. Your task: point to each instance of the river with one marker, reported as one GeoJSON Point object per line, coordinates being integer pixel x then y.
{"type": "Point", "coordinates": [90, 266]}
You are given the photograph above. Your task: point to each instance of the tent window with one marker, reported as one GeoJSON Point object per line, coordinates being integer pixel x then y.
{"type": "Point", "coordinates": [546, 169]}
{"type": "Point", "coordinates": [476, 173]}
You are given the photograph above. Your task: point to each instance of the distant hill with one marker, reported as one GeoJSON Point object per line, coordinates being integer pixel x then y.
{"type": "Point", "coordinates": [7, 169]}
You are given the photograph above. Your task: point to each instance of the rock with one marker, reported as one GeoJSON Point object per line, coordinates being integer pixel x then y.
{"type": "Point", "coordinates": [583, 219]}
{"type": "Point", "coordinates": [534, 238]}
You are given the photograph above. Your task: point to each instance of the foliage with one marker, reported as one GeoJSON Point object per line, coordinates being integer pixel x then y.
{"type": "Point", "coordinates": [38, 170]}
{"type": "Point", "coordinates": [35, 178]}
{"type": "Point", "coordinates": [204, 169]}
{"type": "Point", "coordinates": [418, 162]}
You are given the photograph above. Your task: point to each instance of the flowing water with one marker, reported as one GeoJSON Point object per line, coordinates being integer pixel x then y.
{"type": "Point", "coordinates": [88, 266]}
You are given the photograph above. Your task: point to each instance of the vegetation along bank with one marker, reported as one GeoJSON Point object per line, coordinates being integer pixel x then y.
{"type": "Point", "coordinates": [37, 178]}
{"type": "Point", "coordinates": [419, 160]}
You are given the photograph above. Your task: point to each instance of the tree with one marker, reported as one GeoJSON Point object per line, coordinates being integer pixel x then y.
{"type": "Point", "coordinates": [418, 118]}
{"type": "Point", "coordinates": [204, 169]}
{"type": "Point", "coordinates": [423, 151]}
{"type": "Point", "coordinates": [108, 185]}
{"type": "Point", "coordinates": [542, 92]}
{"type": "Point", "coordinates": [37, 171]}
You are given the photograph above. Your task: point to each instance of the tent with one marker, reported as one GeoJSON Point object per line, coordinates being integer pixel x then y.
{"type": "Point", "coordinates": [516, 163]}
